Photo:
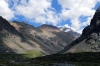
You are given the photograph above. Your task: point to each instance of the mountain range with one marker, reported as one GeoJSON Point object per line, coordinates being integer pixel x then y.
{"type": "Point", "coordinates": [22, 38]}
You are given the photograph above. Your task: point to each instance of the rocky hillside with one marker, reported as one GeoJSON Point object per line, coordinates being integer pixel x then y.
{"type": "Point", "coordinates": [9, 37]}
{"type": "Point", "coordinates": [20, 37]}
{"type": "Point", "coordinates": [47, 37]}
{"type": "Point", "coordinates": [89, 41]}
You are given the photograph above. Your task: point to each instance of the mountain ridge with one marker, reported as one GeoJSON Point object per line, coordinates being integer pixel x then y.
{"type": "Point", "coordinates": [20, 37]}
{"type": "Point", "coordinates": [90, 38]}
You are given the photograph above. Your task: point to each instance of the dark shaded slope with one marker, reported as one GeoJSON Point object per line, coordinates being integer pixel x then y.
{"type": "Point", "coordinates": [4, 49]}
{"type": "Point", "coordinates": [7, 31]}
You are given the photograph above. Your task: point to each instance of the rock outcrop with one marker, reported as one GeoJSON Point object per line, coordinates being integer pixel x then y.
{"type": "Point", "coordinates": [93, 30]}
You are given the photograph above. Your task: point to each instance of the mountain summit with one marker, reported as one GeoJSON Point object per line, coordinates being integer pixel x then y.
{"type": "Point", "coordinates": [69, 30]}
{"type": "Point", "coordinates": [89, 41]}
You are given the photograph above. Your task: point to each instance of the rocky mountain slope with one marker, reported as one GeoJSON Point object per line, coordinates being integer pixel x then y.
{"type": "Point", "coordinates": [89, 41]}
{"type": "Point", "coordinates": [20, 37]}
{"type": "Point", "coordinates": [69, 30]}
{"type": "Point", "coordinates": [9, 37]}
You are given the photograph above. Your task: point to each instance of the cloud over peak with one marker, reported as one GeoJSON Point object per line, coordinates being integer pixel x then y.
{"type": "Point", "coordinates": [79, 12]}
{"type": "Point", "coordinates": [74, 9]}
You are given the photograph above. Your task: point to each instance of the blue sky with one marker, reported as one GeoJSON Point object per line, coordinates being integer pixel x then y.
{"type": "Point", "coordinates": [75, 14]}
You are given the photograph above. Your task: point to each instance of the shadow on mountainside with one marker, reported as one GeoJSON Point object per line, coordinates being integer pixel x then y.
{"type": "Point", "coordinates": [4, 49]}
{"type": "Point", "coordinates": [69, 46]}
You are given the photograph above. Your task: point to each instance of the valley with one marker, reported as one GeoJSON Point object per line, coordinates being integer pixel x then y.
{"type": "Point", "coordinates": [22, 44]}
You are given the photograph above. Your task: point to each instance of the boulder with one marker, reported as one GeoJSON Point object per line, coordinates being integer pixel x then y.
{"type": "Point", "coordinates": [93, 36]}
{"type": "Point", "coordinates": [98, 39]}
{"type": "Point", "coordinates": [91, 41]}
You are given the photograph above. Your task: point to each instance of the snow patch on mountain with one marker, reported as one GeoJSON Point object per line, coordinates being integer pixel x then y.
{"type": "Point", "coordinates": [67, 29]}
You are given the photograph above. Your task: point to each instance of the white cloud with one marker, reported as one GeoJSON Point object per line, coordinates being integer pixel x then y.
{"type": "Point", "coordinates": [49, 17]}
{"type": "Point", "coordinates": [74, 9]}
{"type": "Point", "coordinates": [39, 11]}
{"type": "Point", "coordinates": [67, 26]}
{"type": "Point", "coordinates": [33, 8]}
{"type": "Point", "coordinates": [5, 11]}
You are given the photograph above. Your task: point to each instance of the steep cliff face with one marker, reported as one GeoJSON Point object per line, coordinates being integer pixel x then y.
{"type": "Point", "coordinates": [89, 41]}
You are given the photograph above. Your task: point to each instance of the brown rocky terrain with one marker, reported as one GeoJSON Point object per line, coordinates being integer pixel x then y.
{"type": "Point", "coordinates": [20, 37]}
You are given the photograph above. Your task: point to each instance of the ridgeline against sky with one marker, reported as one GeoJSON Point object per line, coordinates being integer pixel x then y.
{"type": "Point", "coordinates": [76, 14]}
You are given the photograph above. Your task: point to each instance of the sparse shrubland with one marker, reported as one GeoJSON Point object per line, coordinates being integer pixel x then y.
{"type": "Point", "coordinates": [77, 59]}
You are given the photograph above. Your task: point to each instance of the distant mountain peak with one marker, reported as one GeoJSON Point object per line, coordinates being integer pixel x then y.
{"type": "Point", "coordinates": [65, 28]}
{"type": "Point", "coordinates": [69, 30]}
{"type": "Point", "coordinates": [49, 26]}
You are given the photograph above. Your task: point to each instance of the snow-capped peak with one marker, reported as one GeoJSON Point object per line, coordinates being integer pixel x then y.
{"type": "Point", "coordinates": [67, 29]}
